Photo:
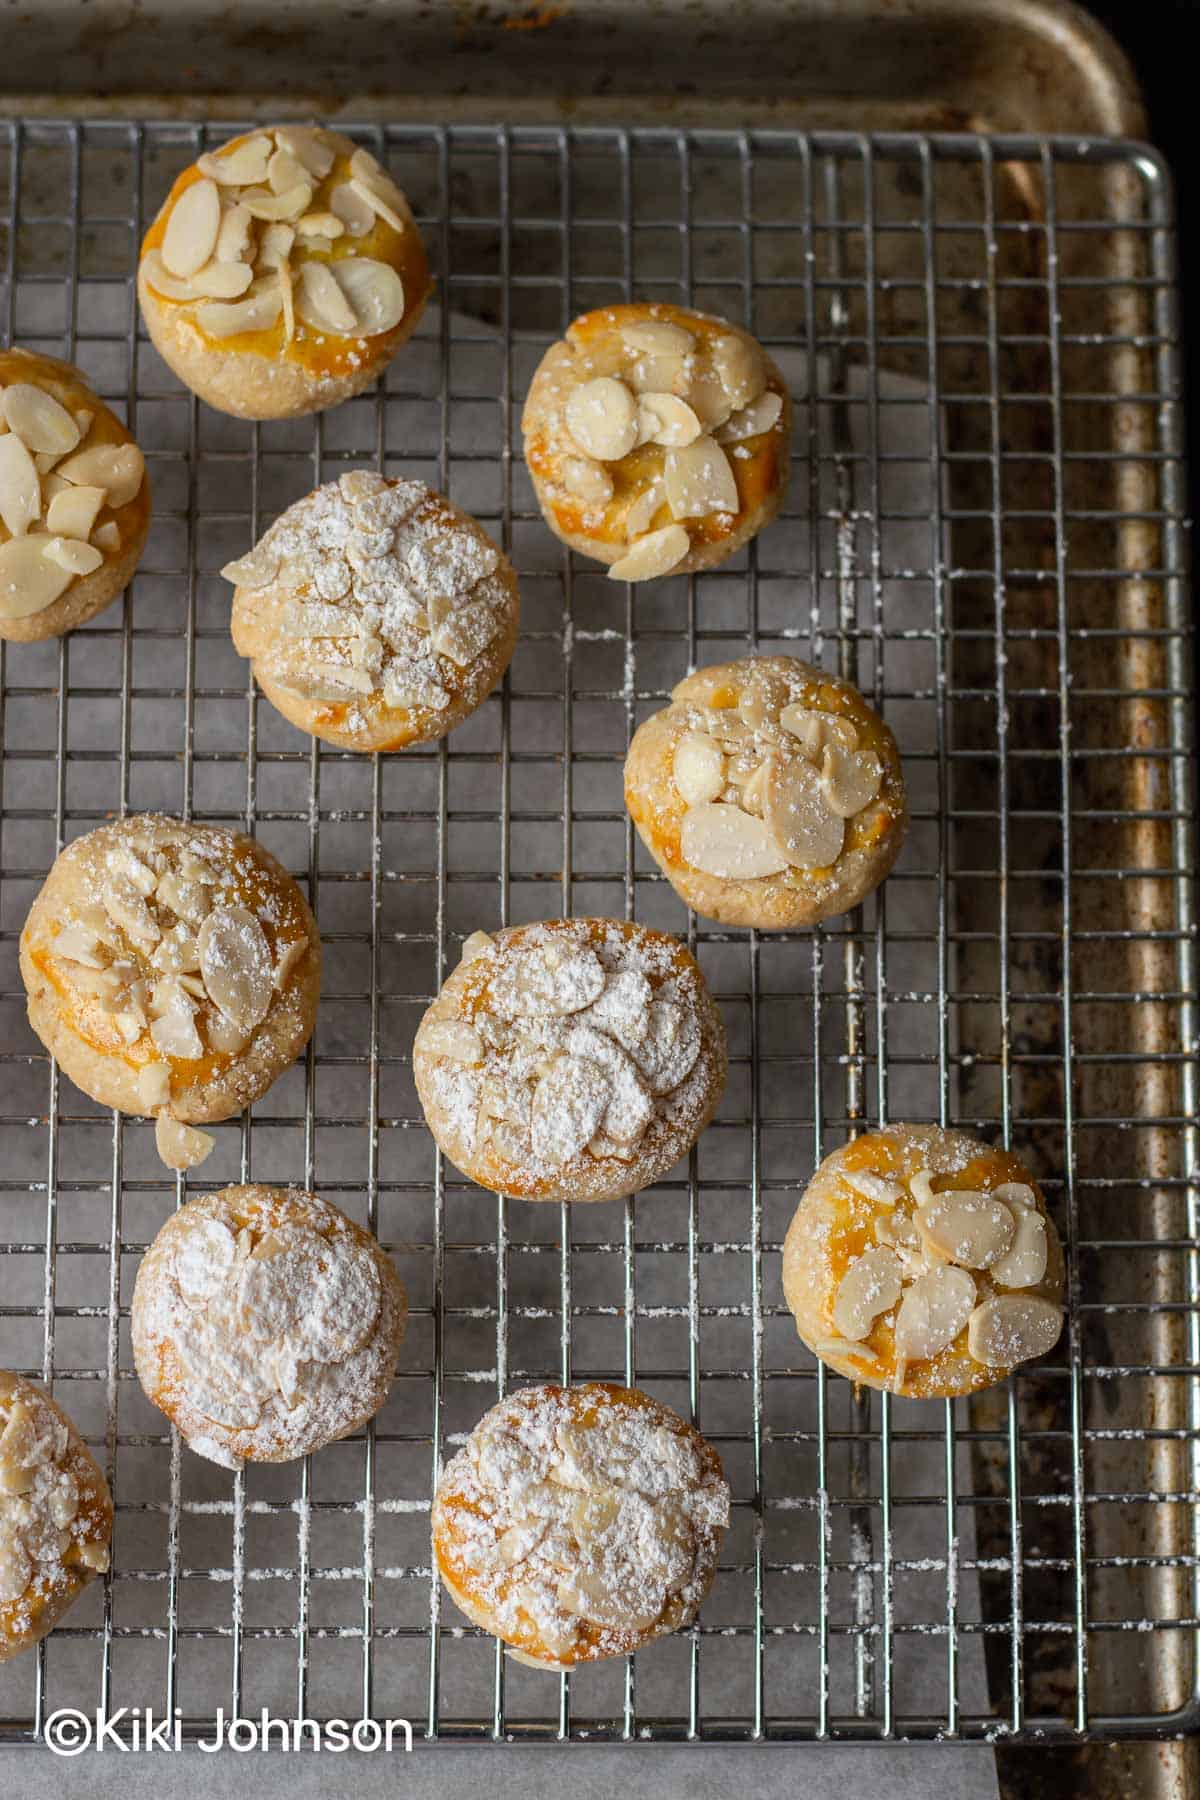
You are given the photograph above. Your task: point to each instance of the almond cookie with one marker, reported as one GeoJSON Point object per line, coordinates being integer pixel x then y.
{"type": "Point", "coordinates": [580, 1523]}
{"type": "Point", "coordinates": [923, 1261]}
{"type": "Point", "coordinates": [55, 1515]}
{"type": "Point", "coordinates": [282, 273]}
{"type": "Point", "coordinates": [769, 793]}
{"type": "Point", "coordinates": [265, 1324]}
{"type": "Point", "coordinates": [74, 499]}
{"type": "Point", "coordinates": [657, 439]}
{"type": "Point", "coordinates": [577, 1059]}
{"type": "Point", "coordinates": [173, 970]}
{"type": "Point", "coordinates": [374, 613]}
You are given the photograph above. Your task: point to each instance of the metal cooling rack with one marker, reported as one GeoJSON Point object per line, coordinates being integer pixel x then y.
{"type": "Point", "coordinates": [982, 338]}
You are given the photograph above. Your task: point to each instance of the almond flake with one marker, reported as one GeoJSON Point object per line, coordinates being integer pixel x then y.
{"type": "Point", "coordinates": [222, 280]}
{"type": "Point", "coordinates": [814, 730]}
{"type": "Point", "coordinates": [667, 1049]}
{"type": "Point", "coordinates": [188, 898]}
{"type": "Point", "coordinates": [181, 1146]}
{"type": "Point", "coordinates": [38, 419]}
{"type": "Point", "coordinates": [154, 1086]}
{"type": "Point", "coordinates": [658, 337]}
{"type": "Point", "coordinates": [451, 1038]}
{"type": "Point", "coordinates": [698, 768]}
{"type": "Point", "coordinates": [933, 1311]}
{"type": "Point", "coordinates": [361, 484]}
{"type": "Point", "coordinates": [235, 962]}
{"type": "Point", "coordinates": [20, 486]}
{"type": "Point", "coordinates": [235, 238]}
{"type": "Point", "coordinates": [240, 166]}
{"type": "Point", "coordinates": [870, 1286]}
{"type": "Point", "coordinates": [966, 1228]}
{"type": "Point", "coordinates": [875, 1188]}
{"type": "Point", "coordinates": [587, 480]}
{"type": "Point", "coordinates": [285, 172]}
{"type": "Point", "coordinates": [699, 479]}
{"type": "Point", "coordinates": [325, 225]}
{"type": "Point", "coordinates": [191, 234]}
{"type": "Point", "coordinates": [466, 634]}
{"type": "Point", "coordinates": [1024, 1264]}
{"type": "Point", "coordinates": [601, 416]}
{"type": "Point", "coordinates": [256, 313]}
{"type": "Point", "coordinates": [321, 302]}
{"type": "Point", "coordinates": [655, 554]}
{"type": "Point", "coordinates": [1017, 1195]}
{"type": "Point", "coordinates": [718, 839]}
{"type": "Point", "coordinates": [160, 278]}
{"type": "Point", "coordinates": [797, 816]}
{"type": "Point", "coordinates": [568, 1104]}
{"type": "Point", "coordinates": [640, 516]}
{"type": "Point", "coordinates": [761, 416]}
{"type": "Point", "coordinates": [309, 146]}
{"type": "Point", "coordinates": [118, 468]}
{"type": "Point", "coordinates": [72, 512]}
{"type": "Point", "coordinates": [347, 204]}
{"type": "Point", "coordinates": [79, 945]}
{"type": "Point", "coordinates": [257, 569]}
{"type": "Point", "coordinates": [850, 779]}
{"type": "Point", "coordinates": [71, 554]}
{"type": "Point", "coordinates": [1013, 1328]}
{"type": "Point", "coordinates": [288, 205]}
{"type": "Point", "coordinates": [29, 581]}
{"type": "Point", "coordinates": [107, 537]}
{"type": "Point", "coordinates": [284, 276]}
{"type": "Point", "coordinates": [374, 291]}
{"type": "Point", "coordinates": [668, 420]}
{"type": "Point", "coordinates": [740, 367]}
{"type": "Point", "coordinates": [225, 1037]}
{"type": "Point", "coordinates": [174, 1030]}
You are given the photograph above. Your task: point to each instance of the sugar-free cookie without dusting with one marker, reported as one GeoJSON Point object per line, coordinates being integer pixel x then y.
{"type": "Point", "coordinates": [173, 969]}
{"type": "Point", "coordinates": [55, 1515]}
{"type": "Point", "coordinates": [657, 439]}
{"type": "Point", "coordinates": [265, 1324]}
{"type": "Point", "coordinates": [923, 1261]}
{"type": "Point", "coordinates": [282, 273]}
{"type": "Point", "coordinates": [769, 793]}
{"type": "Point", "coordinates": [580, 1523]}
{"type": "Point", "coordinates": [374, 613]}
{"type": "Point", "coordinates": [577, 1059]}
{"type": "Point", "coordinates": [74, 499]}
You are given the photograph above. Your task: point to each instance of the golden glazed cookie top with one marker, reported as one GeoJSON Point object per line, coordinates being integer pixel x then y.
{"type": "Point", "coordinates": [576, 1519]}
{"type": "Point", "coordinates": [375, 600]}
{"type": "Point", "coordinates": [72, 483]}
{"type": "Point", "coordinates": [937, 1245]}
{"type": "Point", "coordinates": [55, 1513]}
{"type": "Point", "coordinates": [655, 429]}
{"type": "Point", "coordinates": [559, 1046]}
{"type": "Point", "coordinates": [291, 243]}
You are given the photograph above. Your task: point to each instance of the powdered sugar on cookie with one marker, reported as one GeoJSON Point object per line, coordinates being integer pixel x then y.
{"type": "Point", "coordinates": [48, 1543]}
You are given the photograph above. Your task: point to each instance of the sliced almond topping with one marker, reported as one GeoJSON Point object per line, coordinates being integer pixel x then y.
{"type": "Point", "coordinates": [655, 554]}
{"type": "Point", "coordinates": [181, 1146]}
{"type": "Point", "coordinates": [1024, 1264]}
{"type": "Point", "coordinates": [72, 512]}
{"type": "Point", "coordinates": [698, 768]}
{"type": "Point", "coordinates": [258, 312]}
{"type": "Point", "coordinates": [284, 172]}
{"type": "Point", "coordinates": [814, 730]}
{"type": "Point", "coordinates": [970, 1229]}
{"type": "Point", "coordinates": [798, 817]}
{"type": "Point", "coordinates": [284, 276]}
{"type": "Point", "coordinates": [239, 167]}
{"type": "Point", "coordinates": [1013, 1328]}
{"type": "Point", "coordinates": [176, 953]}
{"type": "Point", "coordinates": [375, 293]}
{"type": "Point", "coordinates": [587, 480]}
{"type": "Point", "coordinates": [154, 1086]}
{"type": "Point", "coordinates": [77, 944]}
{"type": "Point", "coordinates": [760, 416]}
{"type": "Point", "coordinates": [71, 554]}
{"type": "Point", "coordinates": [45, 460]}
{"type": "Point", "coordinates": [705, 393]}
{"type": "Point", "coordinates": [323, 225]}
{"type": "Point", "coordinates": [38, 419]}
{"type": "Point", "coordinates": [740, 367]}
{"type": "Point", "coordinates": [666, 419]}
{"type": "Point", "coordinates": [347, 204]}
{"type": "Point", "coordinates": [718, 839]}
{"type": "Point", "coordinates": [361, 484]}
{"type": "Point", "coordinates": [850, 779]}
{"type": "Point", "coordinates": [1016, 1194]}
{"type": "Point", "coordinates": [660, 374]}
{"type": "Point", "coordinates": [192, 227]}
{"type": "Point", "coordinates": [222, 280]}
{"type": "Point", "coordinates": [309, 145]}
{"type": "Point", "coordinates": [118, 468]}
{"type": "Point", "coordinates": [875, 1188]}
{"type": "Point", "coordinates": [699, 480]}
{"type": "Point", "coordinates": [668, 1048]}
{"type": "Point", "coordinates": [225, 1037]}
{"type": "Point", "coordinates": [365, 168]}
{"type": "Point", "coordinates": [640, 516]}
{"type": "Point", "coordinates": [549, 980]}
{"type": "Point", "coordinates": [753, 793]}
{"type": "Point", "coordinates": [933, 1311]}
{"type": "Point", "coordinates": [29, 581]}
{"type": "Point", "coordinates": [94, 1556]}
{"type": "Point", "coordinates": [869, 1287]}
{"type": "Point", "coordinates": [451, 1038]}
{"type": "Point", "coordinates": [185, 896]}
{"type": "Point", "coordinates": [107, 537]}
{"type": "Point", "coordinates": [321, 302]}
{"type": "Point", "coordinates": [568, 1104]}
{"type": "Point", "coordinates": [257, 569]}
{"type": "Point", "coordinates": [465, 634]}
{"type": "Point", "coordinates": [15, 1568]}
{"type": "Point", "coordinates": [286, 959]}
{"type": "Point", "coordinates": [288, 205]}
{"type": "Point", "coordinates": [601, 416]}
{"type": "Point", "coordinates": [658, 337]}
{"type": "Point", "coordinates": [332, 683]}
{"type": "Point", "coordinates": [20, 486]}
{"type": "Point", "coordinates": [174, 1030]}
{"type": "Point", "coordinates": [234, 238]}
{"type": "Point", "coordinates": [235, 962]}
{"type": "Point", "coordinates": [126, 908]}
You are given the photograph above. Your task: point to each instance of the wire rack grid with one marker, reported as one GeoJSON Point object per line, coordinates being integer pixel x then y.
{"type": "Point", "coordinates": [985, 530]}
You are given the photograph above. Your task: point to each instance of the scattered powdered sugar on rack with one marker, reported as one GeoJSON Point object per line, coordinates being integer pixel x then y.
{"type": "Point", "coordinates": [580, 1507]}
{"type": "Point", "coordinates": [379, 590]}
{"type": "Point", "coordinates": [269, 1302]}
{"type": "Point", "coordinates": [40, 1498]}
{"type": "Point", "coordinates": [580, 1039]}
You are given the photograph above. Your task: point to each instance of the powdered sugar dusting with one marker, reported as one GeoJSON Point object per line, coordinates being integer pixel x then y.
{"type": "Point", "coordinates": [578, 1522]}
